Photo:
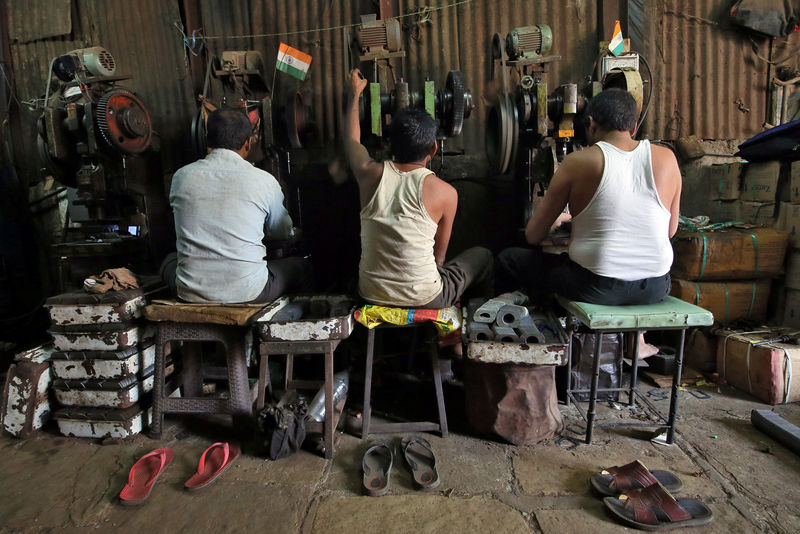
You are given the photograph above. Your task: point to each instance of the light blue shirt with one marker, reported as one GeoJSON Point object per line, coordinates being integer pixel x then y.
{"type": "Point", "coordinates": [223, 207]}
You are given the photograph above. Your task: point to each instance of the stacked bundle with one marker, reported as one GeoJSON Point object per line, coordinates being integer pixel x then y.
{"type": "Point", "coordinates": [103, 364]}
{"type": "Point", "coordinates": [505, 319]}
{"type": "Point", "coordinates": [727, 271]}
{"type": "Point", "coordinates": [789, 220]}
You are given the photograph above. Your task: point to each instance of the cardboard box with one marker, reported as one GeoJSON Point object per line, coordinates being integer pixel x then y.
{"type": "Point", "coordinates": [791, 309]}
{"type": "Point", "coordinates": [700, 350]}
{"type": "Point", "coordinates": [794, 182]}
{"type": "Point", "coordinates": [758, 213]}
{"type": "Point", "coordinates": [764, 371]}
{"type": "Point", "coordinates": [728, 301]}
{"type": "Point", "coordinates": [760, 181]}
{"type": "Point", "coordinates": [793, 269]}
{"type": "Point", "coordinates": [729, 254]}
{"type": "Point", "coordinates": [789, 221]}
{"type": "Point", "coordinates": [725, 181]}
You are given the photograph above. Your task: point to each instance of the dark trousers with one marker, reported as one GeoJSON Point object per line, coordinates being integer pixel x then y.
{"type": "Point", "coordinates": [471, 274]}
{"type": "Point", "coordinates": [286, 275]}
{"type": "Point", "coordinates": [539, 274]}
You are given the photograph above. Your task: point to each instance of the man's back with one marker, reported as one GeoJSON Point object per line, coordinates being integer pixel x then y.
{"type": "Point", "coordinates": [620, 224]}
{"type": "Point", "coordinates": [397, 241]}
{"type": "Point", "coordinates": [220, 204]}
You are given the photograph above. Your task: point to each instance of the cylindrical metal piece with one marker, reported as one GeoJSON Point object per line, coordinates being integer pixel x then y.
{"type": "Point", "coordinates": [570, 98]}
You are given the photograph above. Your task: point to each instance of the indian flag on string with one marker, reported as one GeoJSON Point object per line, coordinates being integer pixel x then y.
{"type": "Point", "coordinates": [617, 45]}
{"type": "Point", "coordinates": [293, 61]}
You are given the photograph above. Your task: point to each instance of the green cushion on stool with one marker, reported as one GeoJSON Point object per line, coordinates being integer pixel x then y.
{"type": "Point", "coordinates": [669, 313]}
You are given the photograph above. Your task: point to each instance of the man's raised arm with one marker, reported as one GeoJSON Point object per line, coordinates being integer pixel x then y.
{"type": "Point", "coordinates": [366, 170]}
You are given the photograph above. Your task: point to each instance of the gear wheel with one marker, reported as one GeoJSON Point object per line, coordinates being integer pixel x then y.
{"type": "Point", "coordinates": [455, 103]}
{"type": "Point", "coordinates": [123, 121]}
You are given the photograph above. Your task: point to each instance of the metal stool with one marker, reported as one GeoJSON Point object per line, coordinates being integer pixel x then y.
{"type": "Point", "coordinates": [411, 426]}
{"type": "Point", "coordinates": [669, 314]}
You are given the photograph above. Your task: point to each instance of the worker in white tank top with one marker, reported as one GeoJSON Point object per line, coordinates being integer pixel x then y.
{"type": "Point", "coordinates": [623, 196]}
{"type": "Point", "coordinates": [407, 215]}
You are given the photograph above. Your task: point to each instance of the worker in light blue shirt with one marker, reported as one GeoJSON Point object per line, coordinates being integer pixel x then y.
{"type": "Point", "coordinates": [224, 207]}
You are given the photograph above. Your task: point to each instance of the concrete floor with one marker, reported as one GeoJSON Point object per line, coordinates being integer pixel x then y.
{"type": "Point", "coordinates": [55, 484]}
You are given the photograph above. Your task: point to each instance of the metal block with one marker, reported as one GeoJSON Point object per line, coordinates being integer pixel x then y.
{"type": "Point", "coordinates": [103, 364]}
{"type": "Point", "coordinates": [37, 354]}
{"type": "Point", "coordinates": [104, 337]}
{"type": "Point", "coordinates": [487, 312]}
{"type": "Point", "coordinates": [505, 334]}
{"type": "Point", "coordinates": [25, 407]}
{"type": "Point", "coordinates": [529, 332]}
{"type": "Point", "coordinates": [510, 315]}
{"type": "Point", "coordinates": [324, 317]}
{"type": "Point", "coordinates": [102, 422]}
{"type": "Point", "coordinates": [479, 331]}
{"type": "Point", "coordinates": [82, 308]}
{"type": "Point", "coordinates": [115, 393]}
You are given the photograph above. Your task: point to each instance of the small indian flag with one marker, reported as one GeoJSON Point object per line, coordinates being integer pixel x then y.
{"type": "Point", "coordinates": [293, 61]}
{"type": "Point", "coordinates": [617, 45]}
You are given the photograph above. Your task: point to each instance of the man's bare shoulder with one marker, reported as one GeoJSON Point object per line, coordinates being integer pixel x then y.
{"type": "Point", "coordinates": [581, 163]}
{"type": "Point", "coordinates": [662, 155]}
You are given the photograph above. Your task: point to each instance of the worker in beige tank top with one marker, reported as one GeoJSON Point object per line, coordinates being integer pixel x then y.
{"type": "Point", "coordinates": [407, 215]}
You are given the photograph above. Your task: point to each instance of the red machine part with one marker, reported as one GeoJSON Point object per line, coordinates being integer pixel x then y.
{"type": "Point", "coordinates": [124, 121]}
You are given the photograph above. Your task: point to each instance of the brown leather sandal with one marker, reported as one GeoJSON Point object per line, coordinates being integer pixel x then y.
{"type": "Point", "coordinates": [654, 508]}
{"type": "Point", "coordinates": [615, 480]}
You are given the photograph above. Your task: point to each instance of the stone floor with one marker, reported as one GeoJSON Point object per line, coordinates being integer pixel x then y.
{"type": "Point", "coordinates": [54, 484]}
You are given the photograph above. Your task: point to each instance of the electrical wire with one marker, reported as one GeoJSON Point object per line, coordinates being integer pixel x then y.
{"type": "Point", "coordinates": [414, 13]}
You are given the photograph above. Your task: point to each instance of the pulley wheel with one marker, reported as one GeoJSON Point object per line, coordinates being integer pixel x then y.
{"type": "Point", "coordinates": [454, 104]}
{"type": "Point", "coordinates": [124, 121]}
{"type": "Point", "coordinates": [295, 120]}
{"type": "Point", "coordinates": [500, 128]}
{"type": "Point", "coordinates": [199, 141]}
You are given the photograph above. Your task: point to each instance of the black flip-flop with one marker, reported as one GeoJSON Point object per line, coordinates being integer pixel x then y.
{"type": "Point", "coordinates": [421, 460]}
{"type": "Point", "coordinates": [620, 479]}
{"type": "Point", "coordinates": [377, 466]}
{"type": "Point", "coordinates": [654, 508]}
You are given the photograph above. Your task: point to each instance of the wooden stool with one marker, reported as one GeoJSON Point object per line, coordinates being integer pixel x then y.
{"type": "Point", "coordinates": [307, 335]}
{"type": "Point", "coordinates": [411, 426]}
{"type": "Point", "coordinates": [191, 323]}
{"type": "Point", "coordinates": [669, 314]}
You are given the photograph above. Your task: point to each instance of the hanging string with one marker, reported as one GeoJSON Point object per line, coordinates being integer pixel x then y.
{"type": "Point", "coordinates": [422, 11]}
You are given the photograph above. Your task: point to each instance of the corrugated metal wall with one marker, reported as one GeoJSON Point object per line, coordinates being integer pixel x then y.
{"type": "Point", "coordinates": [455, 37]}
{"type": "Point", "coordinates": [710, 81]}
{"type": "Point", "coordinates": [144, 44]}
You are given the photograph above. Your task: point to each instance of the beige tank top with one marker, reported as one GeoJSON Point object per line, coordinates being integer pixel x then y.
{"type": "Point", "coordinates": [397, 266]}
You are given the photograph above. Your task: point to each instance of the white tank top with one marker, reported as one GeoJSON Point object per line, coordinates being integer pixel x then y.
{"type": "Point", "coordinates": [624, 230]}
{"type": "Point", "coordinates": [397, 265]}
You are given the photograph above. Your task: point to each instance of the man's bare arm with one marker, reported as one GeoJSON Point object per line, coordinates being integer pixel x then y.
{"type": "Point", "coordinates": [366, 170]}
{"type": "Point", "coordinates": [675, 207]}
{"type": "Point", "coordinates": [552, 206]}
{"type": "Point", "coordinates": [447, 200]}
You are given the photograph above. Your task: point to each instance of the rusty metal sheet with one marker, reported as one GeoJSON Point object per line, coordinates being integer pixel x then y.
{"type": "Point", "coordinates": [102, 364]}
{"type": "Point", "coordinates": [25, 407]}
{"type": "Point", "coordinates": [29, 20]}
{"type": "Point", "coordinates": [710, 81]}
{"type": "Point", "coordinates": [314, 328]}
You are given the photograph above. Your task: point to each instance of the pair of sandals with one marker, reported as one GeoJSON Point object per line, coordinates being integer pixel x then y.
{"type": "Point", "coordinates": [145, 472]}
{"type": "Point", "coordinates": [644, 499]}
{"type": "Point", "coordinates": [378, 459]}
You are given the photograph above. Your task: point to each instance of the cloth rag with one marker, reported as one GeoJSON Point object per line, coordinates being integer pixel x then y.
{"type": "Point", "coordinates": [111, 280]}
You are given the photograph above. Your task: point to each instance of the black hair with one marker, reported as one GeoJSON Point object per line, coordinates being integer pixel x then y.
{"type": "Point", "coordinates": [412, 134]}
{"type": "Point", "coordinates": [228, 128]}
{"type": "Point", "coordinates": [613, 109]}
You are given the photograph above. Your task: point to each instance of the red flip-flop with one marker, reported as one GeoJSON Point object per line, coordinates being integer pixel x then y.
{"type": "Point", "coordinates": [213, 462]}
{"type": "Point", "coordinates": [143, 476]}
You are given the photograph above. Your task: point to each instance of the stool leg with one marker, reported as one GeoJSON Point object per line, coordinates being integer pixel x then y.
{"type": "Point", "coordinates": [437, 382]}
{"type": "Point", "coordinates": [289, 371]}
{"type": "Point", "coordinates": [192, 369]}
{"type": "Point", "coordinates": [330, 416]}
{"type": "Point", "coordinates": [634, 370]}
{"type": "Point", "coordinates": [593, 392]}
{"type": "Point", "coordinates": [264, 382]}
{"type": "Point", "coordinates": [365, 417]}
{"type": "Point", "coordinates": [569, 370]}
{"type": "Point", "coordinates": [159, 387]}
{"type": "Point", "coordinates": [676, 384]}
{"type": "Point", "coordinates": [240, 404]}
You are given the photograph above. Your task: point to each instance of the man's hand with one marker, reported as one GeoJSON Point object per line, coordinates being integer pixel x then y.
{"type": "Point", "coordinates": [358, 82]}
